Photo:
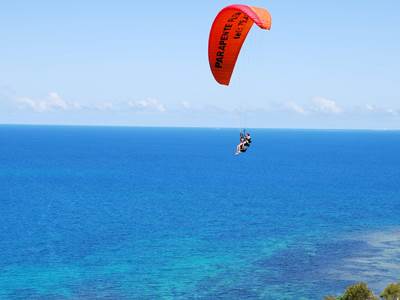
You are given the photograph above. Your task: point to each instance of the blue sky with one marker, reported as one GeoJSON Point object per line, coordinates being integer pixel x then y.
{"type": "Point", "coordinates": [324, 64]}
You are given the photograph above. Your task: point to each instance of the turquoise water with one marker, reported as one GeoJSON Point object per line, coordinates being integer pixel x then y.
{"type": "Point", "coordinates": [150, 213]}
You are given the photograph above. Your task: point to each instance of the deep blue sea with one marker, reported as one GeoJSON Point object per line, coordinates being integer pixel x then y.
{"type": "Point", "coordinates": [152, 213]}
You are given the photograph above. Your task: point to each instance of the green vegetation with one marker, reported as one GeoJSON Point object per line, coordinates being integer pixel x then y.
{"type": "Point", "coordinates": [360, 291]}
{"type": "Point", "coordinates": [391, 292]}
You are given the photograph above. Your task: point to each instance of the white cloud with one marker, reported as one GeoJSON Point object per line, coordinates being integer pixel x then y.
{"type": "Point", "coordinates": [326, 106]}
{"type": "Point", "coordinates": [149, 105]}
{"type": "Point", "coordinates": [318, 105]}
{"type": "Point", "coordinates": [51, 103]}
{"type": "Point", "coordinates": [392, 111]}
{"type": "Point", "coordinates": [370, 107]}
{"type": "Point", "coordinates": [186, 105]}
{"type": "Point", "coordinates": [374, 109]}
{"type": "Point", "coordinates": [54, 102]}
{"type": "Point", "coordinates": [294, 107]}
{"type": "Point", "coordinates": [104, 106]}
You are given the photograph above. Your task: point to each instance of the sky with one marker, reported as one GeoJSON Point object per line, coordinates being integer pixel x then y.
{"type": "Point", "coordinates": [323, 64]}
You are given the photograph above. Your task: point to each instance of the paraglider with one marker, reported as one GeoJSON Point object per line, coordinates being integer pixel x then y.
{"type": "Point", "coordinates": [245, 142]}
{"type": "Point", "coordinates": [227, 35]}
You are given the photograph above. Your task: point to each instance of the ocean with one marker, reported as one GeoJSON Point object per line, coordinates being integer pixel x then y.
{"type": "Point", "coordinates": [171, 213]}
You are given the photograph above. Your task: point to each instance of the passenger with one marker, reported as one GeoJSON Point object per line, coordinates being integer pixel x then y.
{"type": "Point", "coordinates": [242, 146]}
{"type": "Point", "coordinates": [248, 139]}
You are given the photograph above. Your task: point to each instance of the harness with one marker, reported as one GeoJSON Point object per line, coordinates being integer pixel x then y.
{"type": "Point", "coordinates": [246, 142]}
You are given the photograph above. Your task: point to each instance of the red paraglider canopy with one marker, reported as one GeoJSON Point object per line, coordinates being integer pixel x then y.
{"type": "Point", "coordinates": [227, 35]}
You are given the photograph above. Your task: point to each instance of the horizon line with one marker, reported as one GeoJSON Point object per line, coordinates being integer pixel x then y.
{"type": "Point", "coordinates": [195, 127]}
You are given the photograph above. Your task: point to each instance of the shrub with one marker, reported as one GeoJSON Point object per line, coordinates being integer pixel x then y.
{"type": "Point", "coordinates": [391, 292]}
{"type": "Point", "coordinates": [359, 291]}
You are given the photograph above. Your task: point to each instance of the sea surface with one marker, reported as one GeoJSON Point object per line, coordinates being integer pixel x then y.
{"type": "Point", "coordinates": [164, 213]}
